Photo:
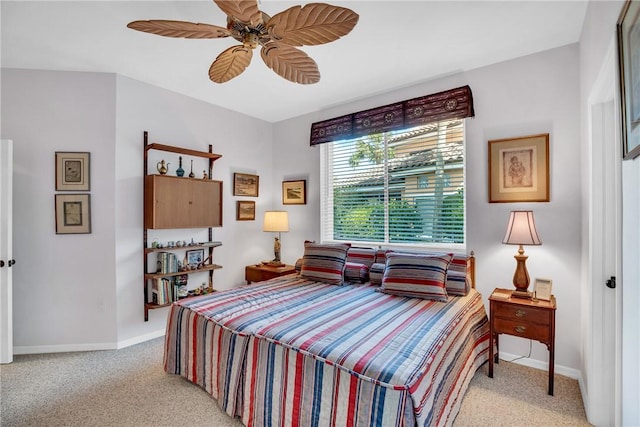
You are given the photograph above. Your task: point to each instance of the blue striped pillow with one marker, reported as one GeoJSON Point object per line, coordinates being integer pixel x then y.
{"type": "Point", "coordinates": [418, 276]}
{"type": "Point", "coordinates": [324, 263]}
{"type": "Point", "coordinates": [355, 272]}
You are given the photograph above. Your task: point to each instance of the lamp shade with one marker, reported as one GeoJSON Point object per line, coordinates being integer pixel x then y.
{"type": "Point", "coordinates": [521, 229]}
{"type": "Point", "coordinates": [276, 221]}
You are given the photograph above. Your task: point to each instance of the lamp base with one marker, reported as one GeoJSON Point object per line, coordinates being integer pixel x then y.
{"type": "Point", "coordinates": [521, 294]}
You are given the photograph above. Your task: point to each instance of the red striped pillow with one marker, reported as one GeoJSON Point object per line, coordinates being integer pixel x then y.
{"type": "Point", "coordinates": [324, 263]}
{"type": "Point", "coordinates": [418, 276]}
{"type": "Point", "coordinates": [365, 256]}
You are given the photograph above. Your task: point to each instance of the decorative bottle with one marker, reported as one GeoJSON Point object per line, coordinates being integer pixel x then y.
{"type": "Point", "coordinates": [191, 174]}
{"type": "Point", "coordinates": [180, 171]}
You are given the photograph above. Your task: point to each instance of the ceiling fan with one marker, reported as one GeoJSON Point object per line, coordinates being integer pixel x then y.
{"type": "Point", "coordinates": [311, 24]}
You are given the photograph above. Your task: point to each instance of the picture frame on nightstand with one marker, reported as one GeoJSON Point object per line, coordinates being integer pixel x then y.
{"type": "Point", "coordinates": [542, 289]}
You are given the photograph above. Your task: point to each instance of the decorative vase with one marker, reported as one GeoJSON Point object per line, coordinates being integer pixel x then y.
{"type": "Point", "coordinates": [162, 167]}
{"type": "Point", "coordinates": [191, 174]}
{"type": "Point", "coordinates": [180, 171]}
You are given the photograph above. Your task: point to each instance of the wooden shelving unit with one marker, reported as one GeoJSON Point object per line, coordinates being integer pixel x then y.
{"type": "Point", "coordinates": [172, 202]}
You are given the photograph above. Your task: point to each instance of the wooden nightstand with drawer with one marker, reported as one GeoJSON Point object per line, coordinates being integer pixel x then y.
{"type": "Point", "coordinates": [260, 272]}
{"type": "Point", "coordinates": [532, 319]}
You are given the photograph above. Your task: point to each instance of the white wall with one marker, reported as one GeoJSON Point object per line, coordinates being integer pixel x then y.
{"type": "Point", "coordinates": [75, 292]}
{"type": "Point", "coordinates": [63, 293]}
{"type": "Point", "coordinates": [534, 94]}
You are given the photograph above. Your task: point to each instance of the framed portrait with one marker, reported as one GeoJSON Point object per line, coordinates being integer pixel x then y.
{"type": "Point", "coordinates": [519, 169]}
{"type": "Point", "coordinates": [72, 171]}
{"type": "Point", "coordinates": [629, 69]}
{"type": "Point", "coordinates": [195, 257]}
{"type": "Point", "coordinates": [245, 211]}
{"type": "Point", "coordinates": [294, 192]}
{"type": "Point", "coordinates": [542, 289]}
{"type": "Point", "coordinates": [245, 184]}
{"type": "Point", "coordinates": [73, 213]}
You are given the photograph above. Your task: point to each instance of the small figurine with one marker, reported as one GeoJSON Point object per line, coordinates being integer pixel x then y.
{"type": "Point", "coordinates": [204, 175]}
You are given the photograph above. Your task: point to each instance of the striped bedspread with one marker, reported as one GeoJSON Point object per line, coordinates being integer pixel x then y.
{"type": "Point", "coordinates": [294, 352]}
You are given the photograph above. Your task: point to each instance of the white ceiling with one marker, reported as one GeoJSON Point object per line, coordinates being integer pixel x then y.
{"type": "Point", "coordinates": [394, 44]}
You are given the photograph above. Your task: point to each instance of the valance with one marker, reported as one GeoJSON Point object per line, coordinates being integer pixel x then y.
{"type": "Point", "coordinates": [450, 104]}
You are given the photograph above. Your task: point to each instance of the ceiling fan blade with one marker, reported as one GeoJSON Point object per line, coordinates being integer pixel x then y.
{"type": "Point", "coordinates": [187, 30]}
{"type": "Point", "coordinates": [290, 63]}
{"type": "Point", "coordinates": [230, 63]}
{"type": "Point", "coordinates": [242, 10]}
{"type": "Point", "coordinates": [312, 24]}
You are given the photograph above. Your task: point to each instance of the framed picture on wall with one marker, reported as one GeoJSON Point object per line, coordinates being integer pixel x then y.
{"type": "Point", "coordinates": [72, 171]}
{"type": "Point", "coordinates": [245, 211]}
{"type": "Point", "coordinates": [73, 213]}
{"type": "Point", "coordinates": [519, 169]}
{"type": "Point", "coordinates": [245, 184]}
{"type": "Point", "coordinates": [294, 192]}
{"type": "Point", "coordinates": [629, 69]}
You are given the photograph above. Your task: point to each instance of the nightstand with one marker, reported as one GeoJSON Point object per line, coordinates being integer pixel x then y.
{"type": "Point", "coordinates": [525, 318]}
{"type": "Point", "coordinates": [260, 272]}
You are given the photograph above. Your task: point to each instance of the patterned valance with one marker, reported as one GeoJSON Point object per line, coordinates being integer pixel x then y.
{"type": "Point", "coordinates": [450, 104]}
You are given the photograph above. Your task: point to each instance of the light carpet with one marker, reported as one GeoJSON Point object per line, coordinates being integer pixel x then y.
{"type": "Point", "coordinates": [128, 387]}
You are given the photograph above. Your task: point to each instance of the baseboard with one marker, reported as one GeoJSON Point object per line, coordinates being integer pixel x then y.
{"type": "Point", "coordinates": [538, 364]}
{"type": "Point", "coordinates": [142, 338]}
{"type": "Point", "coordinates": [67, 348]}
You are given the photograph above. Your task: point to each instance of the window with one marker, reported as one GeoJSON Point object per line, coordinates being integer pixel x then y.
{"type": "Point", "coordinates": [401, 187]}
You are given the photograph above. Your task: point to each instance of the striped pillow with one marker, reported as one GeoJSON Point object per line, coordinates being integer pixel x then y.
{"type": "Point", "coordinates": [365, 256]}
{"type": "Point", "coordinates": [376, 271]}
{"type": "Point", "coordinates": [324, 263]}
{"type": "Point", "coordinates": [418, 276]}
{"type": "Point", "coordinates": [356, 272]}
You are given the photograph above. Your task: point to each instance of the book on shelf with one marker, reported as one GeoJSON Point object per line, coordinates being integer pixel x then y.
{"type": "Point", "coordinates": [162, 291]}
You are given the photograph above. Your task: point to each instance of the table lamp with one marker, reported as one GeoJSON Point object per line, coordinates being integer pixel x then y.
{"type": "Point", "coordinates": [521, 230]}
{"type": "Point", "coordinates": [276, 221]}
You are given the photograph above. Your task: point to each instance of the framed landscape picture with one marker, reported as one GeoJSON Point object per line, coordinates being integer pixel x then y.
{"type": "Point", "coordinates": [245, 184]}
{"type": "Point", "coordinates": [245, 211]}
{"type": "Point", "coordinates": [294, 192]}
{"type": "Point", "coordinates": [72, 171]}
{"type": "Point", "coordinates": [73, 214]}
{"type": "Point", "coordinates": [519, 169]}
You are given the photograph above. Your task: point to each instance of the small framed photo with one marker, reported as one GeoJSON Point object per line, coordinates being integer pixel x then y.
{"type": "Point", "coordinates": [72, 171]}
{"type": "Point", "coordinates": [294, 192]}
{"type": "Point", "coordinates": [245, 184]}
{"type": "Point", "coordinates": [73, 213]}
{"type": "Point", "coordinates": [245, 211]}
{"type": "Point", "coordinates": [195, 257]}
{"type": "Point", "coordinates": [542, 289]}
{"type": "Point", "coordinates": [519, 169]}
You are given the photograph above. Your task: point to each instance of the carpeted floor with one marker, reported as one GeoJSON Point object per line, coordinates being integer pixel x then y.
{"type": "Point", "coordinates": [128, 387]}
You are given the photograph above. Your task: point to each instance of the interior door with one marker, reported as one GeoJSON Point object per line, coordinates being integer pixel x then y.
{"type": "Point", "coordinates": [6, 255]}
{"type": "Point", "coordinates": [603, 340]}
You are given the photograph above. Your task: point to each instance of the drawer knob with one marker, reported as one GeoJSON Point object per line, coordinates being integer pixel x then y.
{"type": "Point", "coordinates": [520, 329]}
{"type": "Point", "coordinates": [520, 313]}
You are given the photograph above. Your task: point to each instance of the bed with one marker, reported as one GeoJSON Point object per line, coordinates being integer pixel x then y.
{"type": "Point", "coordinates": [297, 351]}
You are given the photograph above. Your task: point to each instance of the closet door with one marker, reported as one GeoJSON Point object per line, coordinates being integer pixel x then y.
{"type": "Point", "coordinates": [6, 255]}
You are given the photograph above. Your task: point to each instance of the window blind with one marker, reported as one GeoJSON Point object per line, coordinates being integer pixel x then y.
{"type": "Point", "coordinates": [397, 187]}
